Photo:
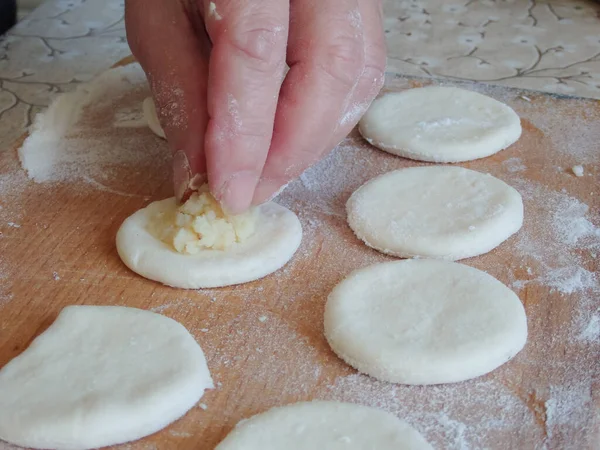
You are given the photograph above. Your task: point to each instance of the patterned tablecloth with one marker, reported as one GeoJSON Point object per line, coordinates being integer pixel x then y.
{"type": "Point", "coordinates": [552, 46]}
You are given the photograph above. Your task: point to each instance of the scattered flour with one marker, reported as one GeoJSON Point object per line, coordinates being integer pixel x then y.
{"type": "Point", "coordinates": [591, 328]}
{"type": "Point", "coordinates": [75, 137]}
{"type": "Point", "coordinates": [442, 418]}
{"type": "Point", "coordinates": [568, 280]}
{"type": "Point", "coordinates": [183, 434]}
{"type": "Point", "coordinates": [571, 225]}
{"type": "Point", "coordinates": [567, 405]}
{"type": "Point", "coordinates": [514, 165]}
{"type": "Point", "coordinates": [562, 228]}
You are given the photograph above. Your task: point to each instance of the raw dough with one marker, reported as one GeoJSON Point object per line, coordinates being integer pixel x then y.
{"type": "Point", "coordinates": [440, 124]}
{"type": "Point", "coordinates": [276, 239]}
{"type": "Point", "coordinates": [151, 117]}
{"type": "Point", "coordinates": [320, 425]}
{"type": "Point", "coordinates": [424, 322]}
{"type": "Point", "coordinates": [577, 170]}
{"type": "Point", "coordinates": [100, 375]}
{"type": "Point", "coordinates": [436, 212]}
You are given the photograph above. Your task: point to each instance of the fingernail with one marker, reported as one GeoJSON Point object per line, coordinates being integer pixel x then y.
{"type": "Point", "coordinates": [266, 191]}
{"type": "Point", "coordinates": [236, 194]}
{"type": "Point", "coordinates": [182, 174]}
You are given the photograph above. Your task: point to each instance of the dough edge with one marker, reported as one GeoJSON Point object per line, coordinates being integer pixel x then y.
{"type": "Point", "coordinates": [234, 440]}
{"type": "Point", "coordinates": [145, 255]}
{"type": "Point", "coordinates": [380, 371]}
{"type": "Point", "coordinates": [160, 420]}
{"type": "Point", "coordinates": [500, 139]}
{"type": "Point", "coordinates": [501, 231]}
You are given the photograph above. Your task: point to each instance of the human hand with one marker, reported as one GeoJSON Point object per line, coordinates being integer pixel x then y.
{"type": "Point", "coordinates": [216, 70]}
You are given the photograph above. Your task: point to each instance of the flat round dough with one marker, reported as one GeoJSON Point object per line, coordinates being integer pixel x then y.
{"type": "Point", "coordinates": [149, 109]}
{"type": "Point", "coordinates": [440, 124]}
{"type": "Point", "coordinates": [100, 375]}
{"type": "Point", "coordinates": [321, 425]}
{"type": "Point", "coordinates": [276, 239]}
{"type": "Point", "coordinates": [424, 322]}
{"type": "Point", "coordinates": [441, 212]}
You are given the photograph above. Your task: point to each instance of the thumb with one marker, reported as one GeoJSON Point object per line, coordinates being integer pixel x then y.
{"type": "Point", "coordinates": [173, 50]}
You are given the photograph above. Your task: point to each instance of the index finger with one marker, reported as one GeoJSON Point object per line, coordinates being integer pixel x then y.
{"type": "Point", "coordinates": [245, 73]}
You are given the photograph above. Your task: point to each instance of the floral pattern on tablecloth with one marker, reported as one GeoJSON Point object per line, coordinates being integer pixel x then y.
{"type": "Point", "coordinates": [552, 46]}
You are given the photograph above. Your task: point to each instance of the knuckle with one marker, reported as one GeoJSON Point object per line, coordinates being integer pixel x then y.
{"type": "Point", "coordinates": [260, 40]}
{"type": "Point", "coordinates": [344, 60]}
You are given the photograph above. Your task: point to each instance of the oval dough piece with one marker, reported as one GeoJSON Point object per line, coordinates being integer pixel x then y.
{"type": "Point", "coordinates": [324, 425]}
{"type": "Point", "coordinates": [276, 239]}
{"type": "Point", "coordinates": [424, 322]}
{"type": "Point", "coordinates": [100, 375]}
{"type": "Point", "coordinates": [435, 212]}
{"type": "Point", "coordinates": [440, 124]}
{"type": "Point", "coordinates": [149, 109]}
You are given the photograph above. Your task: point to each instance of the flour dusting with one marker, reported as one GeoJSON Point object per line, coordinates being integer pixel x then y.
{"type": "Point", "coordinates": [514, 165]}
{"type": "Point", "coordinates": [562, 230]}
{"type": "Point", "coordinates": [443, 417]}
{"type": "Point", "coordinates": [76, 139]}
{"type": "Point", "coordinates": [590, 328]}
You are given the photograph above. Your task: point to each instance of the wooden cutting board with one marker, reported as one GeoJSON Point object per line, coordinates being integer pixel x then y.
{"type": "Point", "coordinates": [264, 340]}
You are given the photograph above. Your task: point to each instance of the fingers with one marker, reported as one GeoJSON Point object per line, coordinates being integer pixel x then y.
{"type": "Point", "coordinates": [246, 69]}
{"type": "Point", "coordinates": [373, 75]}
{"type": "Point", "coordinates": [173, 52]}
{"type": "Point", "coordinates": [326, 89]}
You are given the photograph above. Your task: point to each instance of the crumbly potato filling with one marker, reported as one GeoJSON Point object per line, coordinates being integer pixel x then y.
{"type": "Point", "coordinates": [200, 224]}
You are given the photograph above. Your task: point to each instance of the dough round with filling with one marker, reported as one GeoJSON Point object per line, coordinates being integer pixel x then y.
{"type": "Point", "coordinates": [324, 425]}
{"type": "Point", "coordinates": [435, 212]}
{"type": "Point", "coordinates": [276, 239]}
{"type": "Point", "coordinates": [424, 322]}
{"type": "Point", "coordinates": [100, 375]}
{"type": "Point", "coordinates": [149, 109]}
{"type": "Point", "coordinates": [440, 124]}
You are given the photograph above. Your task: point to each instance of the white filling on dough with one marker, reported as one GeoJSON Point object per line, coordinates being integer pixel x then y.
{"type": "Point", "coordinates": [265, 241]}
{"type": "Point", "coordinates": [321, 425]}
{"type": "Point", "coordinates": [424, 322]}
{"type": "Point", "coordinates": [100, 375]}
{"type": "Point", "coordinates": [435, 212]}
{"type": "Point", "coordinates": [200, 224]}
{"type": "Point", "coordinates": [440, 124]}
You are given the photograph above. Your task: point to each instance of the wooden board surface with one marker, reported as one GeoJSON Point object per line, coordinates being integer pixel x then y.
{"type": "Point", "coordinates": [264, 340]}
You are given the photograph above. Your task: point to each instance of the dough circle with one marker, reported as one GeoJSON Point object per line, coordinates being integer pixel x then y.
{"type": "Point", "coordinates": [149, 109]}
{"type": "Point", "coordinates": [276, 239]}
{"type": "Point", "coordinates": [440, 124]}
{"type": "Point", "coordinates": [424, 322]}
{"type": "Point", "coordinates": [442, 212]}
{"type": "Point", "coordinates": [100, 375]}
{"type": "Point", "coordinates": [324, 425]}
